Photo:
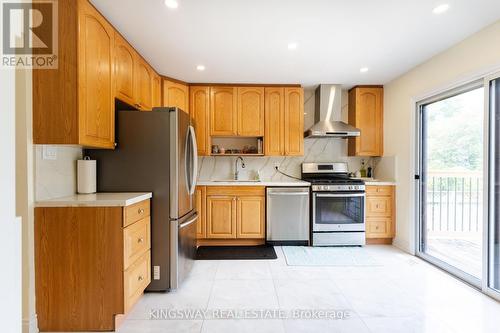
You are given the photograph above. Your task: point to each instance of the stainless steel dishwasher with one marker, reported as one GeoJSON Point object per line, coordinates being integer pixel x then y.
{"type": "Point", "coordinates": [287, 216]}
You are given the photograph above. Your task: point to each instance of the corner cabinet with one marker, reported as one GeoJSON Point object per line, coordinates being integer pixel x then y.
{"type": "Point", "coordinates": [199, 106]}
{"type": "Point", "coordinates": [231, 215]}
{"type": "Point", "coordinates": [176, 95]}
{"type": "Point", "coordinates": [366, 113]}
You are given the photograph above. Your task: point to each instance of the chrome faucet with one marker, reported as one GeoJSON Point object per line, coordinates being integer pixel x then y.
{"type": "Point", "coordinates": [236, 172]}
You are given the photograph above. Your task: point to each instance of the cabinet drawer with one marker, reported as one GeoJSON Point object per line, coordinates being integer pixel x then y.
{"type": "Point", "coordinates": [136, 212]}
{"type": "Point", "coordinates": [379, 190]}
{"type": "Point", "coordinates": [379, 227]}
{"type": "Point", "coordinates": [379, 206]}
{"type": "Point", "coordinates": [135, 279]}
{"type": "Point", "coordinates": [136, 240]}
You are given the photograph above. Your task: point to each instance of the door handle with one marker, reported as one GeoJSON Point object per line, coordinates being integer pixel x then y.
{"type": "Point", "coordinates": [189, 222]}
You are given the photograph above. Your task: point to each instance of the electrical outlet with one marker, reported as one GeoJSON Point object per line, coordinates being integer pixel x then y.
{"type": "Point", "coordinates": [156, 272]}
{"type": "Point", "coordinates": [49, 153]}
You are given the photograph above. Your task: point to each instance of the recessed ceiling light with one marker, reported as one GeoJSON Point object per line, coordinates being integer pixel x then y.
{"type": "Point", "coordinates": [363, 69]}
{"type": "Point", "coordinates": [200, 68]}
{"type": "Point", "coordinates": [172, 4]}
{"type": "Point", "coordinates": [292, 46]}
{"type": "Point", "coordinates": [441, 8]}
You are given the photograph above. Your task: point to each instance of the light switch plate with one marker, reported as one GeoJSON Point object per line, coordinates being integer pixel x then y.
{"type": "Point", "coordinates": [49, 153]}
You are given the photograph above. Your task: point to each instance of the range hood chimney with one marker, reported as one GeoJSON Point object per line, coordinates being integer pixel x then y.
{"type": "Point", "coordinates": [328, 115]}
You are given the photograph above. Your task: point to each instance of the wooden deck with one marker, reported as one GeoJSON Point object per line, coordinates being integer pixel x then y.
{"type": "Point", "coordinates": [463, 253]}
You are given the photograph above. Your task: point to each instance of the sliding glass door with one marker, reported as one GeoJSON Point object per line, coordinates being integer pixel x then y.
{"type": "Point", "coordinates": [458, 177]}
{"type": "Point", "coordinates": [451, 181]}
{"type": "Point", "coordinates": [492, 234]}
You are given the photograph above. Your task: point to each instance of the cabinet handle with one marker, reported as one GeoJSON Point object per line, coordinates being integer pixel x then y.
{"type": "Point", "coordinates": [140, 240]}
{"type": "Point", "coordinates": [140, 278]}
{"type": "Point", "coordinates": [376, 206]}
{"type": "Point", "coordinates": [140, 210]}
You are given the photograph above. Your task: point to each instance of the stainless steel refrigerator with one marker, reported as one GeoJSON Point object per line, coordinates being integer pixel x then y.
{"type": "Point", "coordinates": [156, 152]}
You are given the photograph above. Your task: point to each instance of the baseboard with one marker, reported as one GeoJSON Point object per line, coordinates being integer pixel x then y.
{"type": "Point", "coordinates": [30, 325]}
{"type": "Point", "coordinates": [375, 241]}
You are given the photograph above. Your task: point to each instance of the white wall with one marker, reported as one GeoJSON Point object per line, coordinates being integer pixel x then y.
{"type": "Point", "coordinates": [10, 246]}
{"type": "Point", "coordinates": [470, 59]}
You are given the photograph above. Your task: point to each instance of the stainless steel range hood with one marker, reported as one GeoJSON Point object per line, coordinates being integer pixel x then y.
{"type": "Point", "coordinates": [328, 113]}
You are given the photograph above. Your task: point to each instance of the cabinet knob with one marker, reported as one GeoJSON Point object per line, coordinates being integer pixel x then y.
{"type": "Point", "coordinates": [140, 278]}
{"type": "Point", "coordinates": [140, 210]}
{"type": "Point", "coordinates": [376, 228]}
{"type": "Point", "coordinates": [140, 240]}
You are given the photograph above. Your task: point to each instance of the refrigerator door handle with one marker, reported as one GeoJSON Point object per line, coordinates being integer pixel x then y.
{"type": "Point", "coordinates": [189, 222]}
{"type": "Point", "coordinates": [194, 158]}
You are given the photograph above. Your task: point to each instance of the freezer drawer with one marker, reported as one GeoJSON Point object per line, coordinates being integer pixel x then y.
{"type": "Point", "coordinates": [287, 216]}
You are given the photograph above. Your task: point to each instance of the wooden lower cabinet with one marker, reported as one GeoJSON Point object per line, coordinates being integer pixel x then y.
{"type": "Point", "coordinates": [234, 213]}
{"type": "Point", "coordinates": [380, 221]}
{"type": "Point", "coordinates": [250, 217]}
{"type": "Point", "coordinates": [91, 264]}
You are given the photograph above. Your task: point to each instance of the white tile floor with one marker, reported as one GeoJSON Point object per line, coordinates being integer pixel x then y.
{"type": "Point", "coordinates": [405, 294]}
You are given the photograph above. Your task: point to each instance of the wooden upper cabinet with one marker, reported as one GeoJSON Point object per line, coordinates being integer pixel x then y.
{"type": "Point", "coordinates": [294, 121]}
{"type": "Point", "coordinates": [156, 90]}
{"type": "Point", "coordinates": [199, 106]}
{"type": "Point", "coordinates": [124, 71]}
{"type": "Point", "coordinates": [221, 216]}
{"type": "Point", "coordinates": [95, 79]}
{"type": "Point", "coordinates": [143, 84]}
{"type": "Point", "coordinates": [250, 111]}
{"type": "Point", "coordinates": [366, 113]}
{"type": "Point", "coordinates": [274, 138]}
{"type": "Point", "coordinates": [223, 115]}
{"type": "Point", "coordinates": [176, 95]}
{"type": "Point", "coordinates": [250, 219]}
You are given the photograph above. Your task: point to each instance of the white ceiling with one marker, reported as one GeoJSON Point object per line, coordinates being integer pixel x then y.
{"type": "Point", "coordinates": [245, 41]}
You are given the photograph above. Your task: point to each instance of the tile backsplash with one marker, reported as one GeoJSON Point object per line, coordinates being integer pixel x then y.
{"type": "Point", "coordinates": [316, 150]}
{"type": "Point", "coordinates": [57, 177]}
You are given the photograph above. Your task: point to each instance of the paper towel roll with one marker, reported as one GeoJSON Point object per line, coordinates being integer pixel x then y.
{"type": "Point", "coordinates": [86, 175]}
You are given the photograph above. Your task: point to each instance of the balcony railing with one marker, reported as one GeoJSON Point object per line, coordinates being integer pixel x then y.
{"type": "Point", "coordinates": [454, 201]}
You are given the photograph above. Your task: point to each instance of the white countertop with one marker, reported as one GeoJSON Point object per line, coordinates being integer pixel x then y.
{"type": "Point", "coordinates": [96, 200]}
{"type": "Point", "coordinates": [288, 183]}
{"type": "Point", "coordinates": [379, 182]}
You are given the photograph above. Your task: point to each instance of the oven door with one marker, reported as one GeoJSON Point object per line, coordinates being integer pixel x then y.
{"type": "Point", "coordinates": [338, 211]}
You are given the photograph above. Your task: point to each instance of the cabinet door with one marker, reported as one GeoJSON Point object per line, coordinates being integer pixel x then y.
{"type": "Point", "coordinates": [144, 82]}
{"type": "Point", "coordinates": [274, 140]}
{"type": "Point", "coordinates": [223, 114]}
{"type": "Point", "coordinates": [367, 115]}
{"type": "Point", "coordinates": [379, 227]}
{"type": "Point", "coordinates": [250, 217]}
{"type": "Point", "coordinates": [156, 87]}
{"type": "Point", "coordinates": [250, 111]}
{"type": "Point", "coordinates": [294, 121]}
{"type": "Point", "coordinates": [221, 217]}
{"type": "Point", "coordinates": [124, 70]}
{"type": "Point", "coordinates": [199, 106]}
{"type": "Point", "coordinates": [176, 95]}
{"type": "Point", "coordinates": [95, 79]}
{"type": "Point", "coordinates": [200, 199]}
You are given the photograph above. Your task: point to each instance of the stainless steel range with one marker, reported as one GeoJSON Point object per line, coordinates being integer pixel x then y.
{"type": "Point", "coordinates": [338, 205]}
